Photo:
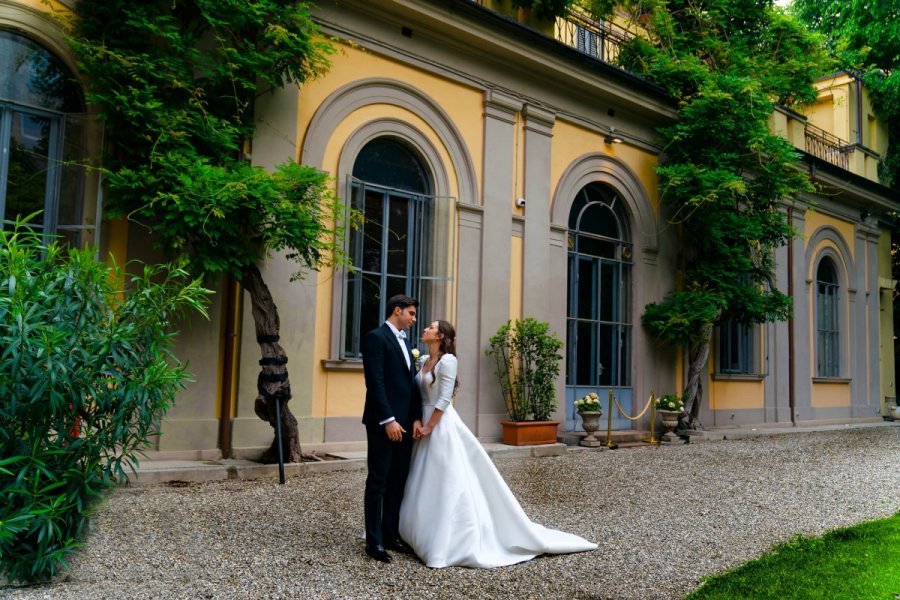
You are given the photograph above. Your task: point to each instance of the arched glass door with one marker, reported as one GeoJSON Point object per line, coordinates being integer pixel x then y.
{"type": "Point", "coordinates": [598, 333]}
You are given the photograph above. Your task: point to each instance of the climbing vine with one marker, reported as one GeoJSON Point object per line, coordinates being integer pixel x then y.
{"type": "Point", "coordinates": [725, 178]}
{"type": "Point", "coordinates": [176, 83]}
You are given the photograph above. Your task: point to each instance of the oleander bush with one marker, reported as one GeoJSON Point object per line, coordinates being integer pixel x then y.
{"type": "Point", "coordinates": [86, 372]}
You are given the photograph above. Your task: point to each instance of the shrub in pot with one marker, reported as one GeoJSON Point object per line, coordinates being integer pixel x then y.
{"type": "Point", "coordinates": [527, 356]}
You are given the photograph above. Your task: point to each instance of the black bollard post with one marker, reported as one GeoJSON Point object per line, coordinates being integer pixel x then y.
{"type": "Point", "coordinates": [278, 440]}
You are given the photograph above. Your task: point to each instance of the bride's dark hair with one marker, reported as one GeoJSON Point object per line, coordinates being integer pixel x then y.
{"type": "Point", "coordinates": [448, 346]}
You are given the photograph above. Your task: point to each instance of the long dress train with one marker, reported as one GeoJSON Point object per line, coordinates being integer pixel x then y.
{"type": "Point", "coordinates": [457, 510]}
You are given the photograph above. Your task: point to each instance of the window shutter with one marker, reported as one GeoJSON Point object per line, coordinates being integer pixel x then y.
{"type": "Point", "coordinates": [437, 260]}
{"type": "Point", "coordinates": [350, 300]}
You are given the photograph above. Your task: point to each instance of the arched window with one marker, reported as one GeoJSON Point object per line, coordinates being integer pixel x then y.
{"type": "Point", "coordinates": [41, 138]}
{"type": "Point", "coordinates": [599, 299]}
{"type": "Point", "coordinates": [828, 360]}
{"type": "Point", "coordinates": [390, 252]}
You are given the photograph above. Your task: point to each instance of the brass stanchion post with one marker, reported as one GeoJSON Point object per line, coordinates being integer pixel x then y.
{"type": "Point", "coordinates": [652, 441]}
{"type": "Point", "coordinates": [609, 443]}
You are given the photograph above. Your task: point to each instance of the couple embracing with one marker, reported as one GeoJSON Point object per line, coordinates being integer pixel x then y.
{"type": "Point", "coordinates": [431, 489]}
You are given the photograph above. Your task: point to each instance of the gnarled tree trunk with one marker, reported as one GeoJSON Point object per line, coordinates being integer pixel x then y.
{"type": "Point", "coordinates": [273, 381]}
{"type": "Point", "coordinates": [698, 355]}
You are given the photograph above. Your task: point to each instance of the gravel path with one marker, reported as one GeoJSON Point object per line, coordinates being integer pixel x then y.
{"type": "Point", "coordinates": [664, 518]}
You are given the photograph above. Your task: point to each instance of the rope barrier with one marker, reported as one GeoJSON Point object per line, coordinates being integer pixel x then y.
{"type": "Point", "coordinates": [651, 404]}
{"type": "Point", "coordinates": [624, 414]}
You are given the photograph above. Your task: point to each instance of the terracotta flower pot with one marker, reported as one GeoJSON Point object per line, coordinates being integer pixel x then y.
{"type": "Point", "coordinates": [529, 433]}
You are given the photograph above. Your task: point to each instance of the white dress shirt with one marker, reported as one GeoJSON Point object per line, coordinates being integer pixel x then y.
{"type": "Point", "coordinates": [400, 339]}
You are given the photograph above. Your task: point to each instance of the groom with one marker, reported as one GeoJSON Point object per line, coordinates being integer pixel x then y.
{"type": "Point", "coordinates": [393, 408]}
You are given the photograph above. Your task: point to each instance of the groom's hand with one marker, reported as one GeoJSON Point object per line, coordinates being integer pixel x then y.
{"type": "Point", "coordinates": [417, 430]}
{"type": "Point", "coordinates": [394, 431]}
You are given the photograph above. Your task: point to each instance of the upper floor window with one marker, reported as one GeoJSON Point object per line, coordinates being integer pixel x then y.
{"type": "Point", "coordinates": [827, 318]}
{"type": "Point", "coordinates": [587, 41]}
{"type": "Point", "coordinates": [42, 131]}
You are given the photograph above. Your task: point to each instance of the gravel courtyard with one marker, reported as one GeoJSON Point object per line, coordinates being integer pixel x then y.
{"type": "Point", "coordinates": [664, 517]}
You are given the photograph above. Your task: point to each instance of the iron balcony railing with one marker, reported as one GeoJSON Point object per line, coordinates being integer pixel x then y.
{"type": "Point", "coordinates": [828, 147]}
{"type": "Point", "coordinates": [603, 40]}
{"type": "Point", "coordinates": [600, 39]}
{"type": "Point", "coordinates": [579, 30]}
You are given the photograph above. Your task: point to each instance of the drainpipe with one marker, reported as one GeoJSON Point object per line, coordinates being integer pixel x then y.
{"type": "Point", "coordinates": [232, 289]}
{"type": "Point", "coordinates": [790, 291]}
{"type": "Point", "coordinates": [859, 106]}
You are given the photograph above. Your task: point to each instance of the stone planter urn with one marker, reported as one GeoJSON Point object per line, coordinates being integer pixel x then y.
{"type": "Point", "coordinates": [591, 423]}
{"type": "Point", "coordinates": [670, 422]}
{"type": "Point", "coordinates": [895, 413]}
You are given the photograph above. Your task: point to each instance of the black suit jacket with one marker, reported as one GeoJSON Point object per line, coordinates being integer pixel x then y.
{"type": "Point", "coordinates": [391, 389]}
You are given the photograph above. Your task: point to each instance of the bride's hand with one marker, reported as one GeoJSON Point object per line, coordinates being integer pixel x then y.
{"type": "Point", "coordinates": [417, 430]}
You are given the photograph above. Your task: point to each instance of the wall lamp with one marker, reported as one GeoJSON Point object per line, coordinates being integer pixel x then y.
{"type": "Point", "coordinates": [612, 137]}
{"type": "Point", "coordinates": [865, 214]}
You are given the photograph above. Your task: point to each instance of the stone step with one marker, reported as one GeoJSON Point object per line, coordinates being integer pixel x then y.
{"type": "Point", "coordinates": [572, 438]}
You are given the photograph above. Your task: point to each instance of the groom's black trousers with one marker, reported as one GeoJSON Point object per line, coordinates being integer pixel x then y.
{"type": "Point", "coordinates": [388, 464]}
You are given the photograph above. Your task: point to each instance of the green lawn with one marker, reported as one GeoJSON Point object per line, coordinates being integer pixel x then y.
{"type": "Point", "coordinates": [860, 562]}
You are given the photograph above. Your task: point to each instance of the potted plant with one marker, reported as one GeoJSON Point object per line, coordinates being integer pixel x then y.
{"type": "Point", "coordinates": [527, 355]}
{"type": "Point", "coordinates": [669, 408]}
{"type": "Point", "coordinates": [590, 412]}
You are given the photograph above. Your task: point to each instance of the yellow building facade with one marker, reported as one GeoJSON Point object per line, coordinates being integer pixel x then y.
{"type": "Point", "coordinates": [506, 168]}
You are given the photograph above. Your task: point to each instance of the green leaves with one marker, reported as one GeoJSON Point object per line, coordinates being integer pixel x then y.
{"type": "Point", "coordinates": [864, 39]}
{"type": "Point", "coordinates": [176, 82]}
{"type": "Point", "coordinates": [528, 358]}
{"type": "Point", "coordinates": [85, 374]}
{"type": "Point", "coordinates": [725, 176]}
{"type": "Point", "coordinates": [679, 319]}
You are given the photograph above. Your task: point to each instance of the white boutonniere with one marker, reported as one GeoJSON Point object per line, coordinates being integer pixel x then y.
{"type": "Point", "coordinates": [418, 359]}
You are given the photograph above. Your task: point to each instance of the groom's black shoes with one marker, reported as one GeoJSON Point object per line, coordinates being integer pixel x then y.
{"type": "Point", "coordinates": [399, 545]}
{"type": "Point", "coordinates": [378, 552]}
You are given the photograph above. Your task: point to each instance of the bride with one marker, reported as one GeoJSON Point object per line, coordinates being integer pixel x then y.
{"type": "Point", "coordinates": [457, 510]}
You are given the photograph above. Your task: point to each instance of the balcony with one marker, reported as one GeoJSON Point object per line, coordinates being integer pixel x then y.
{"type": "Point", "coordinates": [601, 39]}
{"type": "Point", "coordinates": [577, 29]}
{"type": "Point", "coordinates": [604, 40]}
{"type": "Point", "coordinates": [828, 147]}
{"type": "Point", "coordinates": [852, 157]}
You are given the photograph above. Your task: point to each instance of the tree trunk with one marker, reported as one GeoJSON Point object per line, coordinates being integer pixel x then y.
{"type": "Point", "coordinates": [273, 382]}
{"type": "Point", "coordinates": [698, 355]}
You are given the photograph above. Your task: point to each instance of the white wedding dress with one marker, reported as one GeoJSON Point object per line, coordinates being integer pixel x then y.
{"type": "Point", "coordinates": [457, 510]}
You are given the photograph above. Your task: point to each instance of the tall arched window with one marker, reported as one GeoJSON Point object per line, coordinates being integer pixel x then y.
{"type": "Point", "coordinates": [599, 299]}
{"type": "Point", "coordinates": [390, 252]}
{"type": "Point", "coordinates": [41, 138]}
{"type": "Point", "coordinates": [828, 359]}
